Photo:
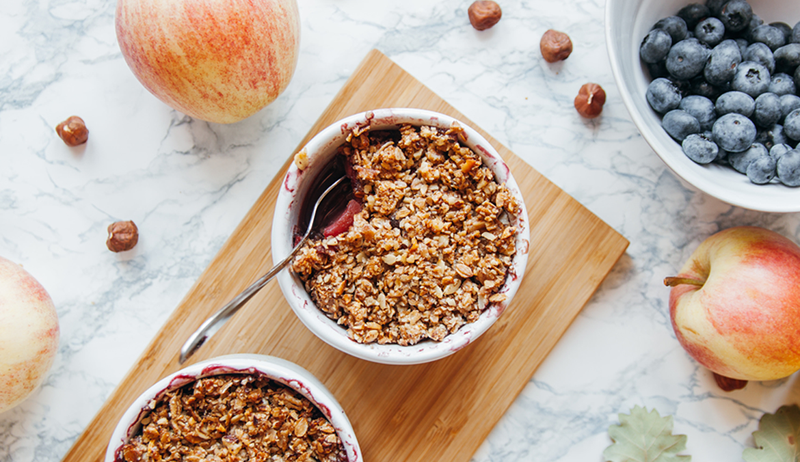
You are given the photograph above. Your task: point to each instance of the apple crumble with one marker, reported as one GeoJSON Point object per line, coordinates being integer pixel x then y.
{"type": "Point", "coordinates": [430, 246]}
{"type": "Point", "coordinates": [233, 418]}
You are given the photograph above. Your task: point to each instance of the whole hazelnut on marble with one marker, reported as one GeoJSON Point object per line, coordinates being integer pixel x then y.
{"type": "Point", "coordinates": [122, 236]}
{"type": "Point", "coordinates": [555, 46]}
{"type": "Point", "coordinates": [73, 131]}
{"type": "Point", "coordinates": [590, 100]}
{"type": "Point", "coordinates": [484, 14]}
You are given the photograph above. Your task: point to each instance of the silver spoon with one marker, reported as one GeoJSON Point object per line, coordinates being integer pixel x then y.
{"type": "Point", "coordinates": [215, 322]}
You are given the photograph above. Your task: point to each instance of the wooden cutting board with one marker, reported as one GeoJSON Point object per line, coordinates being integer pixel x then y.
{"type": "Point", "coordinates": [439, 411]}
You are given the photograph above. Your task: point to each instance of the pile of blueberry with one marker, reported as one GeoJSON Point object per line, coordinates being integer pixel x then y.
{"type": "Point", "coordinates": [727, 87]}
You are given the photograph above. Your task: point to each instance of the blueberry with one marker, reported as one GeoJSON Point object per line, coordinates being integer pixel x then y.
{"type": "Point", "coordinates": [770, 136]}
{"type": "Point", "coordinates": [699, 86]}
{"type": "Point", "coordinates": [663, 95]}
{"type": "Point", "coordinates": [700, 147]}
{"type": "Point", "coordinates": [735, 102]}
{"type": "Point", "coordinates": [791, 125]}
{"type": "Point", "coordinates": [695, 12]}
{"type": "Point", "coordinates": [782, 84]}
{"type": "Point", "coordinates": [680, 124]}
{"type": "Point", "coordinates": [722, 157]}
{"type": "Point", "coordinates": [675, 26]}
{"type": "Point", "coordinates": [768, 110]}
{"type": "Point", "coordinates": [715, 6]}
{"type": "Point", "coordinates": [785, 29]}
{"type": "Point", "coordinates": [722, 63]}
{"type": "Point", "coordinates": [702, 109]}
{"type": "Point", "coordinates": [743, 44]}
{"type": "Point", "coordinates": [710, 31]}
{"type": "Point", "coordinates": [761, 170]}
{"type": "Point", "coordinates": [768, 35]}
{"type": "Point", "coordinates": [741, 160]}
{"type": "Point", "coordinates": [797, 75]}
{"type": "Point", "coordinates": [777, 151]}
{"type": "Point", "coordinates": [683, 86]}
{"type": "Point", "coordinates": [655, 46]}
{"type": "Point", "coordinates": [747, 32]}
{"type": "Point", "coordinates": [796, 33]}
{"type": "Point", "coordinates": [787, 58]}
{"type": "Point", "coordinates": [686, 59]}
{"type": "Point", "coordinates": [657, 70]}
{"type": "Point", "coordinates": [788, 167]}
{"type": "Point", "coordinates": [788, 104]}
{"type": "Point", "coordinates": [736, 15]}
{"type": "Point", "coordinates": [751, 78]}
{"type": "Point", "coordinates": [734, 132]}
{"type": "Point", "coordinates": [760, 53]}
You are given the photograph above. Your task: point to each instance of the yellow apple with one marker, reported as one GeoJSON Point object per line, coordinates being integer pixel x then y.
{"type": "Point", "coordinates": [215, 60]}
{"type": "Point", "coordinates": [735, 304]}
{"type": "Point", "coordinates": [28, 334]}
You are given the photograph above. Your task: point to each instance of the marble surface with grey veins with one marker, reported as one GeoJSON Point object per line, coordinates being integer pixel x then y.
{"type": "Point", "coordinates": [188, 183]}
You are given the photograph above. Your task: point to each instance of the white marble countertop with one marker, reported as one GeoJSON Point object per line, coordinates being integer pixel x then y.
{"type": "Point", "coordinates": [187, 184]}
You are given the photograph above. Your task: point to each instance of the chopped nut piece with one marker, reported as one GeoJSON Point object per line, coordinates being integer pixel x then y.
{"type": "Point", "coordinates": [301, 160]}
{"type": "Point", "coordinates": [497, 298]}
{"type": "Point", "coordinates": [301, 427]}
{"type": "Point", "coordinates": [430, 246]}
{"type": "Point", "coordinates": [452, 288]}
{"type": "Point", "coordinates": [463, 270]}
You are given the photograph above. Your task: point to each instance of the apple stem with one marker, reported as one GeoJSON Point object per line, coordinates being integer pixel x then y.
{"type": "Point", "coordinates": [674, 281]}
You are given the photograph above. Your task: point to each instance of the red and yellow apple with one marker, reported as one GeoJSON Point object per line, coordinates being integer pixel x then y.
{"type": "Point", "coordinates": [735, 304]}
{"type": "Point", "coordinates": [215, 60]}
{"type": "Point", "coordinates": [28, 334]}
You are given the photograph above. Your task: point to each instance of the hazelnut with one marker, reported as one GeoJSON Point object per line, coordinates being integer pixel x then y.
{"type": "Point", "coordinates": [555, 46]}
{"type": "Point", "coordinates": [729, 384]}
{"type": "Point", "coordinates": [590, 100]}
{"type": "Point", "coordinates": [122, 236]}
{"type": "Point", "coordinates": [73, 131]}
{"type": "Point", "coordinates": [484, 14]}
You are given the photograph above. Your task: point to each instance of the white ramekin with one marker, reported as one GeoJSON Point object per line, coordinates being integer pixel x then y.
{"type": "Point", "coordinates": [320, 151]}
{"type": "Point", "coordinates": [277, 369]}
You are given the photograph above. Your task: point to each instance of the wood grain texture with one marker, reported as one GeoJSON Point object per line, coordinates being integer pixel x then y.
{"type": "Point", "coordinates": [439, 411]}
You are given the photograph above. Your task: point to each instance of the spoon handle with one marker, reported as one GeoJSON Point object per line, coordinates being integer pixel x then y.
{"type": "Point", "coordinates": [218, 319]}
{"type": "Point", "coordinates": [215, 322]}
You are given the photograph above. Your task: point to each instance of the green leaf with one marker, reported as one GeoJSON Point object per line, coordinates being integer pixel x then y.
{"type": "Point", "coordinates": [776, 437]}
{"type": "Point", "coordinates": [644, 437]}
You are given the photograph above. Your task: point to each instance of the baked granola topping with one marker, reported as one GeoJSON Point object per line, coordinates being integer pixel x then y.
{"type": "Point", "coordinates": [234, 418]}
{"type": "Point", "coordinates": [430, 248]}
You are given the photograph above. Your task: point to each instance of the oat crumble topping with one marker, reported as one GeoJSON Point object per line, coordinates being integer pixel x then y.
{"type": "Point", "coordinates": [431, 245]}
{"type": "Point", "coordinates": [234, 418]}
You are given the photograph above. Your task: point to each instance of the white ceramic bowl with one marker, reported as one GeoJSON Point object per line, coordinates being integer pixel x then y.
{"type": "Point", "coordinates": [320, 151]}
{"type": "Point", "coordinates": [277, 369]}
{"type": "Point", "coordinates": [627, 22]}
